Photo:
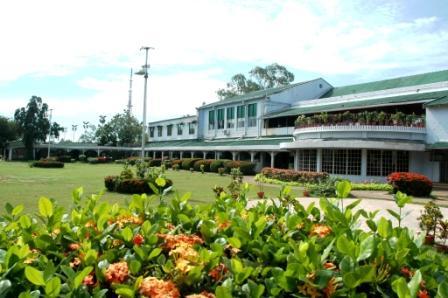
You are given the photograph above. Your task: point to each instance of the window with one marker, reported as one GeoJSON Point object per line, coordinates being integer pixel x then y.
{"type": "Point", "coordinates": [191, 126]}
{"type": "Point", "coordinates": [307, 160]}
{"type": "Point", "coordinates": [230, 117]}
{"type": "Point", "coordinates": [151, 132]}
{"type": "Point", "coordinates": [384, 162]}
{"type": "Point", "coordinates": [169, 130]}
{"type": "Point", "coordinates": [220, 118]}
{"type": "Point", "coordinates": [341, 161]}
{"type": "Point", "coordinates": [159, 130]}
{"type": "Point", "coordinates": [240, 115]}
{"type": "Point", "coordinates": [180, 127]}
{"type": "Point", "coordinates": [211, 120]}
{"type": "Point", "coordinates": [252, 115]}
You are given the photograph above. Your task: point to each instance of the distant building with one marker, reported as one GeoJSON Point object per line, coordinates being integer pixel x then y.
{"type": "Point", "coordinates": [362, 132]}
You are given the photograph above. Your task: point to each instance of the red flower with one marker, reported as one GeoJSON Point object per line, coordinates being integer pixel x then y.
{"type": "Point", "coordinates": [74, 246]}
{"type": "Point", "coordinates": [407, 272]}
{"type": "Point", "coordinates": [423, 294]}
{"type": "Point", "coordinates": [138, 239]}
{"type": "Point", "coordinates": [117, 272]}
{"type": "Point", "coordinates": [89, 280]}
{"type": "Point", "coordinates": [218, 272]}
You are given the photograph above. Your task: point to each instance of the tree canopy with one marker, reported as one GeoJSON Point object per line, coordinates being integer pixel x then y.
{"type": "Point", "coordinates": [271, 76]}
{"type": "Point", "coordinates": [122, 129]}
{"type": "Point", "coordinates": [8, 131]}
{"type": "Point", "coordinates": [33, 124]}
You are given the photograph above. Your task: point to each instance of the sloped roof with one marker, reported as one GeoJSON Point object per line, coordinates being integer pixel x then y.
{"type": "Point", "coordinates": [255, 94]}
{"type": "Point", "coordinates": [420, 79]}
{"type": "Point", "coordinates": [383, 101]}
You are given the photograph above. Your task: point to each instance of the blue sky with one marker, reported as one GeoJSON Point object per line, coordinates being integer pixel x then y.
{"type": "Point", "coordinates": [77, 55]}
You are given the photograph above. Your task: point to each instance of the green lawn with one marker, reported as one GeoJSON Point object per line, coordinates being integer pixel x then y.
{"type": "Point", "coordinates": [20, 184]}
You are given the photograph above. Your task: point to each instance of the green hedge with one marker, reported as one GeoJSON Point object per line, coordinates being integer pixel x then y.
{"type": "Point", "coordinates": [205, 162]}
{"type": "Point", "coordinates": [132, 186]}
{"type": "Point", "coordinates": [47, 164]}
{"type": "Point", "coordinates": [216, 164]}
{"type": "Point", "coordinates": [246, 167]}
{"type": "Point", "coordinates": [188, 163]}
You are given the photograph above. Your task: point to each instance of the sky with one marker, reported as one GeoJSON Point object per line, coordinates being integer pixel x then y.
{"type": "Point", "coordinates": [77, 55]}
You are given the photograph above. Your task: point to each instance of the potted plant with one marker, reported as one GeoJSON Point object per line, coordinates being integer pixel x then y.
{"type": "Point", "coordinates": [429, 220]}
{"type": "Point", "coordinates": [346, 117]}
{"type": "Point", "coordinates": [381, 118]}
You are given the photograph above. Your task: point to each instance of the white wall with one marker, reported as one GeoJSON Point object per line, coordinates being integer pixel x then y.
{"type": "Point", "coordinates": [174, 136]}
{"type": "Point", "coordinates": [437, 124]}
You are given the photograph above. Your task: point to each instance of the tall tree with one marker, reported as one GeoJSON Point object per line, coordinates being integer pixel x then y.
{"type": "Point", "coordinates": [271, 76]}
{"type": "Point", "coordinates": [8, 132]}
{"type": "Point", "coordinates": [89, 133]}
{"type": "Point", "coordinates": [33, 124]}
{"type": "Point", "coordinates": [122, 129]}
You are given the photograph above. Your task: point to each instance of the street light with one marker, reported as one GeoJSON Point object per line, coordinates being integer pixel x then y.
{"type": "Point", "coordinates": [49, 134]}
{"type": "Point", "coordinates": [144, 72]}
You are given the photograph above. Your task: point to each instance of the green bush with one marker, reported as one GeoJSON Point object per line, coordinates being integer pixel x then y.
{"type": "Point", "coordinates": [47, 164]}
{"type": "Point", "coordinates": [64, 158]}
{"type": "Point", "coordinates": [294, 176]}
{"type": "Point", "coordinates": [228, 248]}
{"type": "Point", "coordinates": [216, 164]}
{"type": "Point", "coordinates": [155, 162]}
{"type": "Point", "coordinates": [188, 163]}
{"type": "Point", "coordinates": [246, 167]}
{"type": "Point", "coordinates": [82, 158]}
{"type": "Point", "coordinates": [133, 185]}
{"type": "Point", "coordinates": [205, 162]}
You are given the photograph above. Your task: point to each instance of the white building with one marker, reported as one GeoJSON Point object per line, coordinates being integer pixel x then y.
{"type": "Point", "coordinates": [353, 140]}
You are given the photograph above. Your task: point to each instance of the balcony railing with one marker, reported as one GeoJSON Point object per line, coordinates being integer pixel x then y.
{"type": "Point", "coordinates": [392, 132]}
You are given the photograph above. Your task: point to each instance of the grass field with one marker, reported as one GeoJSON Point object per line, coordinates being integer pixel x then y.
{"type": "Point", "coordinates": [20, 184]}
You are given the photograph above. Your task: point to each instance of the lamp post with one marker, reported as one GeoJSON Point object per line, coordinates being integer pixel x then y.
{"type": "Point", "coordinates": [144, 72]}
{"type": "Point", "coordinates": [74, 128]}
{"type": "Point", "coordinates": [49, 134]}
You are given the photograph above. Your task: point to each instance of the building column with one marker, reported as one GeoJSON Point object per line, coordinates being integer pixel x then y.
{"type": "Point", "coordinates": [98, 152]}
{"type": "Point", "coordinates": [364, 162]}
{"type": "Point", "coordinates": [273, 154]}
{"type": "Point", "coordinates": [162, 156]}
{"type": "Point", "coordinates": [252, 156]}
{"type": "Point", "coordinates": [234, 153]}
{"type": "Point", "coordinates": [191, 154]}
{"type": "Point", "coordinates": [204, 155]}
{"type": "Point", "coordinates": [319, 160]}
{"type": "Point", "coordinates": [10, 154]}
{"type": "Point", "coordinates": [296, 160]}
{"type": "Point", "coordinates": [153, 155]}
{"type": "Point", "coordinates": [217, 154]}
{"type": "Point", "coordinates": [181, 154]}
{"type": "Point", "coordinates": [170, 154]}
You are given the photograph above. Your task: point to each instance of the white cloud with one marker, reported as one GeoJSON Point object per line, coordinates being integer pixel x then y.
{"type": "Point", "coordinates": [56, 38]}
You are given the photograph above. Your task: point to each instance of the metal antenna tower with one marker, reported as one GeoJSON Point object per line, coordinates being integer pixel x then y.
{"type": "Point", "coordinates": [130, 94]}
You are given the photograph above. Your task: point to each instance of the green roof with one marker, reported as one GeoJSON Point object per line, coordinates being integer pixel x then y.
{"type": "Point", "coordinates": [255, 94]}
{"type": "Point", "coordinates": [420, 79]}
{"type": "Point", "coordinates": [438, 145]}
{"type": "Point", "coordinates": [438, 102]}
{"type": "Point", "coordinates": [233, 143]}
{"type": "Point", "coordinates": [358, 104]}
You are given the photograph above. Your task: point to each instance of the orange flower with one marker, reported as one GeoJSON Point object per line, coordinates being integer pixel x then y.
{"type": "Point", "coordinates": [74, 246]}
{"type": "Point", "coordinates": [406, 272]}
{"type": "Point", "coordinates": [423, 294]}
{"type": "Point", "coordinates": [138, 239]}
{"type": "Point", "coordinates": [154, 288]}
{"type": "Point", "coordinates": [75, 263]}
{"type": "Point", "coordinates": [309, 291]}
{"type": "Point", "coordinates": [170, 226]}
{"type": "Point", "coordinates": [122, 220]}
{"type": "Point", "coordinates": [202, 295]}
{"type": "Point", "coordinates": [224, 225]}
{"type": "Point", "coordinates": [218, 272]}
{"type": "Point", "coordinates": [320, 230]}
{"type": "Point", "coordinates": [172, 241]}
{"type": "Point", "coordinates": [329, 266]}
{"type": "Point", "coordinates": [89, 280]}
{"type": "Point", "coordinates": [117, 272]}
{"type": "Point", "coordinates": [331, 287]}
{"type": "Point", "coordinates": [116, 242]}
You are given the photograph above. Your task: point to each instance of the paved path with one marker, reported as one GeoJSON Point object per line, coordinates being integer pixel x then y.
{"type": "Point", "coordinates": [410, 221]}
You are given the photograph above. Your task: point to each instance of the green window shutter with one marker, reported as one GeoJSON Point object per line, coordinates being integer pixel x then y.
{"type": "Point", "coordinates": [230, 113]}
{"type": "Point", "coordinates": [252, 110]}
{"type": "Point", "coordinates": [240, 111]}
{"type": "Point", "coordinates": [220, 114]}
{"type": "Point", "coordinates": [211, 117]}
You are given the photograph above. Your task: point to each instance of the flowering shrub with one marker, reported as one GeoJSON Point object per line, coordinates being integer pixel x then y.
{"type": "Point", "coordinates": [101, 159]}
{"type": "Point", "coordinates": [188, 163]}
{"type": "Point", "coordinates": [294, 176]}
{"type": "Point", "coordinates": [47, 163]}
{"type": "Point", "coordinates": [216, 164]}
{"type": "Point", "coordinates": [205, 162]}
{"type": "Point", "coordinates": [413, 184]}
{"type": "Point", "coordinates": [226, 249]}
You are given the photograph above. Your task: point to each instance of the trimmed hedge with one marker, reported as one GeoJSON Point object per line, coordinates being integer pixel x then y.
{"type": "Point", "coordinates": [188, 163]}
{"type": "Point", "coordinates": [101, 159]}
{"type": "Point", "coordinates": [205, 162]}
{"type": "Point", "coordinates": [64, 158]}
{"type": "Point", "coordinates": [216, 164]}
{"type": "Point", "coordinates": [294, 176]}
{"type": "Point", "coordinates": [413, 184]}
{"type": "Point", "coordinates": [131, 186]}
{"type": "Point", "coordinates": [155, 162]}
{"type": "Point", "coordinates": [246, 167]}
{"type": "Point", "coordinates": [47, 164]}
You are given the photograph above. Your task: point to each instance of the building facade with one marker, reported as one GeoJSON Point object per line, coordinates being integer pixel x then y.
{"type": "Point", "coordinates": [362, 132]}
